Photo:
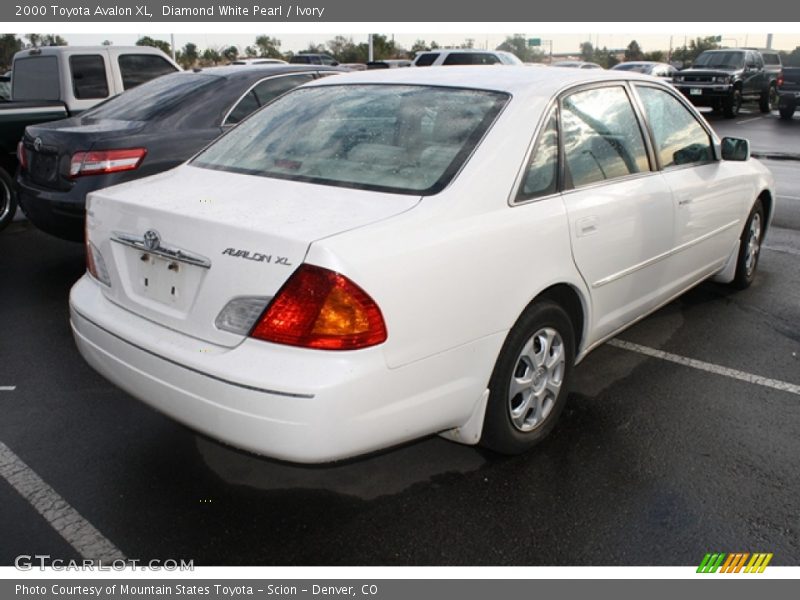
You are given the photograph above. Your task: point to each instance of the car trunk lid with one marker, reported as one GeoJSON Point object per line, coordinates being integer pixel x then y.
{"type": "Point", "coordinates": [181, 245]}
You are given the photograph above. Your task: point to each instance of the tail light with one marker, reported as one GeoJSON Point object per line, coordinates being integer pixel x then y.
{"type": "Point", "coordinates": [318, 308]}
{"type": "Point", "coordinates": [97, 162]}
{"type": "Point", "coordinates": [21, 156]}
{"type": "Point", "coordinates": [94, 261]}
{"type": "Point", "coordinates": [779, 83]}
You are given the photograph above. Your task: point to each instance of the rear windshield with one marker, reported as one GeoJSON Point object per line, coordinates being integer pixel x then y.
{"type": "Point", "coordinates": [155, 98]}
{"type": "Point", "coordinates": [396, 138]}
{"type": "Point", "coordinates": [722, 60]}
{"type": "Point", "coordinates": [36, 78]}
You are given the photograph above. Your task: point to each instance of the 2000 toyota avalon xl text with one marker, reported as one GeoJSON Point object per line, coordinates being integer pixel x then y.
{"type": "Point", "coordinates": [378, 257]}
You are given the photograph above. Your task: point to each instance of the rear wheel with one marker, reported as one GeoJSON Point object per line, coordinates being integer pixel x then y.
{"type": "Point", "coordinates": [769, 101]}
{"type": "Point", "coordinates": [530, 382]}
{"type": "Point", "coordinates": [8, 199]}
{"type": "Point", "coordinates": [787, 112]}
{"type": "Point", "coordinates": [750, 248]}
{"type": "Point", "coordinates": [732, 103]}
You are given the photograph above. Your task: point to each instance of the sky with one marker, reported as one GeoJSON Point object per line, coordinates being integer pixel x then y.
{"type": "Point", "coordinates": [565, 38]}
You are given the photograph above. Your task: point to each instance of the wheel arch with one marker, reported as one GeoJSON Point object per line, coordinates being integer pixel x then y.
{"type": "Point", "coordinates": [768, 203]}
{"type": "Point", "coordinates": [571, 299]}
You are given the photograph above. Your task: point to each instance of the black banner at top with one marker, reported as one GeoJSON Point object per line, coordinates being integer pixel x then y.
{"type": "Point", "coordinates": [260, 11]}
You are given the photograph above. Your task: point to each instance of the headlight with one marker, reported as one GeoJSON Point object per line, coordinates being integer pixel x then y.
{"type": "Point", "coordinates": [677, 78]}
{"type": "Point", "coordinates": [723, 79]}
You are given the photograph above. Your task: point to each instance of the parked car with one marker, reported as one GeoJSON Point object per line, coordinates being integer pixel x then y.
{"type": "Point", "coordinates": [788, 91]}
{"type": "Point", "coordinates": [5, 88]}
{"type": "Point", "coordinates": [464, 56]}
{"type": "Point", "coordinates": [655, 69]}
{"type": "Point", "coordinates": [377, 257]}
{"type": "Point", "coordinates": [147, 130]}
{"type": "Point", "coordinates": [576, 64]}
{"type": "Point", "coordinates": [258, 61]}
{"type": "Point", "coordinates": [59, 81]}
{"type": "Point", "coordinates": [389, 63]}
{"type": "Point", "coordinates": [306, 58]}
{"type": "Point", "coordinates": [724, 79]}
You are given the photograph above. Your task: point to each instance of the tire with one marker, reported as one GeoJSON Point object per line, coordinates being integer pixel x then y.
{"type": "Point", "coordinates": [8, 199]}
{"type": "Point", "coordinates": [732, 104]}
{"type": "Point", "coordinates": [787, 112]}
{"type": "Point", "coordinates": [749, 248]}
{"type": "Point", "coordinates": [769, 102]}
{"type": "Point", "coordinates": [530, 382]}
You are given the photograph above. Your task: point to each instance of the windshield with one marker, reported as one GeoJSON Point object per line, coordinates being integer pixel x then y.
{"type": "Point", "coordinates": [398, 138]}
{"type": "Point", "coordinates": [720, 60]}
{"type": "Point", "coordinates": [155, 98]}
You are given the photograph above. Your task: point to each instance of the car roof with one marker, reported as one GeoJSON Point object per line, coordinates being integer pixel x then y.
{"type": "Point", "coordinates": [256, 70]}
{"type": "Point", "coordinates": [515, 80]}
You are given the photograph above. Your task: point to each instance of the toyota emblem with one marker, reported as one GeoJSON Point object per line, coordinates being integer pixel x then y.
{"type": "Point", "coordinates": [37, 144]}
{"type": "Point", "coordinates": [152, 240]}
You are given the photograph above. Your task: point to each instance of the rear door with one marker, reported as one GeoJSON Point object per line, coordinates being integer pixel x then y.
{"type": "Point", "coordinates": [88, 80]}
{"type": "Point", "coordinates": [620, 210]}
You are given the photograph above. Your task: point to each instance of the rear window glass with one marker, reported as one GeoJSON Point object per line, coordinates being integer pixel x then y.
{"type": "Point", "coordinates": [88, 76]}
{"type": "Point", "coordinates": [405, 139]}
{"type": "Point", "coordinates": [137, 69]}
{"type": "Point", "coordinates": [156, 97]}
{"type": "Point", "coordinates": [771, 59]}
{"type": "Point", "coordinates": [36, 78]}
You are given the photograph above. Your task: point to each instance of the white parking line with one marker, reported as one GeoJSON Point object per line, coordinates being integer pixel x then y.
{"type": "Point", "coordinates": [776, 384]}
{"type": "Point", "coordinates": [7, 388]}
{"type": "Point", "coordinates": [77, 531]}
{"type": "Point", "coordinates": [748, 120]}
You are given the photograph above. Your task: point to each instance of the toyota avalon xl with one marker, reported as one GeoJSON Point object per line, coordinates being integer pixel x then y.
{"type": "Point", "coordinates": [381, 256]}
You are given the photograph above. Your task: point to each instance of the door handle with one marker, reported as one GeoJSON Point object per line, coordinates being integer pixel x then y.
{"type": "Point", "coordinates": [586, 226]}
{"type": "Point", "coordinates": [683, 201]}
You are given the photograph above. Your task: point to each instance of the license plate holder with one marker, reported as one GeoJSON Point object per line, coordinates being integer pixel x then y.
{"type": "Point", "coordinates": [695, 91]}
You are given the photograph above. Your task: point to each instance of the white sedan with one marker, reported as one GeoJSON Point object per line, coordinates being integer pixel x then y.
{"type": "Point", "coordinates": [378, 257]}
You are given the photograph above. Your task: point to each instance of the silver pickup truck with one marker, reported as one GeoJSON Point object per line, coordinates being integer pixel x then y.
{"type": "Point", "coordinates": [56, 82]}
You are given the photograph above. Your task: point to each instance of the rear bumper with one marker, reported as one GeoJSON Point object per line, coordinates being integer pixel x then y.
{"type": "Point", "coordinates": [57, 212]}
{"type": "Point", "coordinates": [788, 99]}
{"type": "Point", "coordinates": [295, 404]}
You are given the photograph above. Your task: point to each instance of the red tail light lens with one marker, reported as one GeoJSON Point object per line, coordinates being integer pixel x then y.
{"type": "Point", "coordinates": [97, 162]}
{"type": "Point", "coordinates": [779, 83]}
{"type": "Point", "coordinates": [21, 157]}
{"type": "Point", "coordinates": [318, 308]}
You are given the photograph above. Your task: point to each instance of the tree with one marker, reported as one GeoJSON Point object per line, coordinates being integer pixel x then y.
{"type": "Point", "coordinates": [605, 58]}
{"type": "Point", "coordinates": [517, 44]}
{"type": "Point", "coordinates": [189, 55]}
{"type": "Point", "coordinates": [230, 53]}
{"type": "Point", "coordinates": [160, 44]}
{"type": "Point", "coordinates": [9, 45]}
{"type": "Point", "coordinates": [250, 52]}
{"type": "Point", "coordinates": [268, 47]}
{"type": "Point", "coordinates": [45, 39]}
{"type": "Point", "coordinates": [633, 51]}
{"type": "Point", "coordinates": [791, 59]}
{"type": "Point", "coordinates": [655, 56]}
{"type": "Point", "coordinates": [587, 52]}
{"type": "Point", "coordinates": [687, 54]}
{"type": "Point", "coordinates": [211, 56]}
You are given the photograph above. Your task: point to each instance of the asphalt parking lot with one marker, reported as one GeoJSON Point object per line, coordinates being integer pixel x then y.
{"type": "Point", "coordinates": [680, 438]}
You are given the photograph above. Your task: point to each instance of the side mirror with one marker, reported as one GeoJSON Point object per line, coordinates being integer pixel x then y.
{"type": "Point", "coordinates": [735, 149]}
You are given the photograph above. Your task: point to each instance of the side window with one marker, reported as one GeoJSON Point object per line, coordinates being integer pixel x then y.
{"type": "Point", "coordinates": [265, 92]}
{"type": "Point", "coordinates": [88, 76]}
{"type": "Point", "coordinates": [138, 68]}
{"type": "Point", "coordinates": [602, 138]}
{"type": "Point", "coordinates": [679, 139]}
{"type": "Point", "coordinates": [470, 58]}
{"type": "Point", "coordinates": [426, 60]}
{"type": "Point", "coordinates": [541, 174]}
{"type": "Point", "coordinates": [246, 105]}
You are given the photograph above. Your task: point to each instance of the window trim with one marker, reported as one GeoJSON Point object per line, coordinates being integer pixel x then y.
{"type": "Point", "coordinates": [515, 198]}
{"type": "Point", "coordinates": [644, 132]}
{"type": "Point", "coordinates": [686, 105]}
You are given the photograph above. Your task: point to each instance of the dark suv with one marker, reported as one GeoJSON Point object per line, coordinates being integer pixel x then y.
{"type": "Point", "coordinates": [723, 79]}
{"type": "Point", "coordinates": [313, 59]}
